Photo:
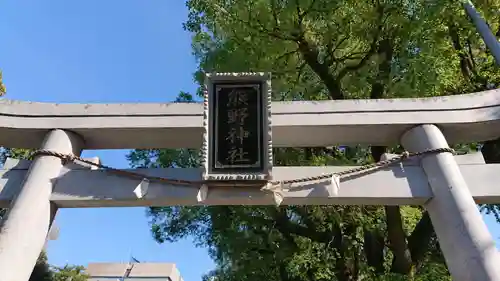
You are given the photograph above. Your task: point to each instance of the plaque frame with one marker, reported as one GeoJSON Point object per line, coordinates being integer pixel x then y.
{"type": "Point", "coordinates": [207, 159]}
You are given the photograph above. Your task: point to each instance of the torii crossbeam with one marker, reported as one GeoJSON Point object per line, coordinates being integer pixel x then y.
{"type": "Point", "coordinates": [448, 186]}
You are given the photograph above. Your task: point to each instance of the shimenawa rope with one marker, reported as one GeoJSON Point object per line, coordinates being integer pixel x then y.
{"type": "Point", "coordinates": [276, 187]}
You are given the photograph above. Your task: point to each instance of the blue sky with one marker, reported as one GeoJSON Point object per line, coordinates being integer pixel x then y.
{"type": "Point", "coordinates": [101, 51]}
{"type": "Point", "coordinates": [104, 51]}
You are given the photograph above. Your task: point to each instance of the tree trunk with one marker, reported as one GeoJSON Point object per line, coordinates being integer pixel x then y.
{"type": "Point", "coordinates": [491, 151]}
{"type": "Point", "coordinates": [374, 250]}
{"type": "Point", "coordinates": [401, 263]}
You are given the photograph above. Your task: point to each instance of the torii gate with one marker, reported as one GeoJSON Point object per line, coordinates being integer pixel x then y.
{"type": "Point", "coordinates": [440, 182]}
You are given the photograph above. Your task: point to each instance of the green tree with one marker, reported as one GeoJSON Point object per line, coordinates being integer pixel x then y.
{"type": "Point", "coordinates": [42, 271]}
{"type": "Point", "coordinates": [3, 90]}
{"type": "Point", "coordinates": [69, 273]}
{"type": "Point", "coordinates": [318, 49]}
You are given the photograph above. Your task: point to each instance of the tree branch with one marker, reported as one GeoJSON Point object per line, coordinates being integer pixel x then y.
{"type": "Point", "coordinates": [330, 51]}
{"type": "Point", "coordinates": [305, 216]}
{"type": "Point", "coordinates": [310, 55]}
{"type": "Point", "coordinates": [275, 14]}
{"type": "Point", "coordinates": [333, 240]}
{"type": "Point", "coordinates": [260, 27]}
{"type": "Point", "coordinates": [309, 9]}
{"type": "Point", "coordinates": [371, 51]}
{"type": "Point", "coordinates": [286, 55]}
{"type": "Point", "coordinates": [300, 15]}
{"type": "Point", "coordinates": [466, 66]}
{"type": "Point", "coordinates": [284, 225]}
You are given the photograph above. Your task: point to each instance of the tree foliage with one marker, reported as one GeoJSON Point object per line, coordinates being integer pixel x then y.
{"type": "Point", "coordinates": [69, 273]}
{"type": "Point", "coordinates": [3, 90]}
{"type": "Point", "coordinates": [42, 271]}
{"type": "Point", "coordinates": [318, 49]}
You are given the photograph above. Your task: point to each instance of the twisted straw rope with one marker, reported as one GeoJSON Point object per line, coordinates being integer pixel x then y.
{"type": "Point", "coordinates": [66, 158]}
{"type": "Point", "coordinates": [373, 166]}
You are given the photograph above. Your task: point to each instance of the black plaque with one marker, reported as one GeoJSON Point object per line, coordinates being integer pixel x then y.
{"type": "Point", "coordinates": [238, 129]}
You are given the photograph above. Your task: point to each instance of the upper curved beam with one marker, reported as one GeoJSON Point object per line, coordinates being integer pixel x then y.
{"type": "Point", "coordinates": [463, 118]}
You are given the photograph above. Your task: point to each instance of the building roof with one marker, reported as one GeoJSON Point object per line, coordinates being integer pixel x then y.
{"type": "Point", "coordinates": [138, 272]}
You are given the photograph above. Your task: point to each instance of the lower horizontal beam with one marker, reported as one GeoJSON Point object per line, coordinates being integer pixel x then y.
{"type": "Point", "coordinates": [80, 188]}
{"type": "Point", "coordinates": [396, 185]}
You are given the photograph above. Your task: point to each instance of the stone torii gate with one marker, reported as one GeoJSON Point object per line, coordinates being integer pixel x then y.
{"type": "Point", "coordinates": [235, 174]}
{"type": "Point", "coordinates": [448, 186]}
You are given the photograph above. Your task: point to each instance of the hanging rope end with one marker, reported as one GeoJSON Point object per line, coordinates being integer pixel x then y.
{"type": "Point", "coordinates": [142, 189]}
{"type": "Point", "coordinates": [202, 194]}
{"type": "Point", "coordinates": [277, 190]}
{"type": "Point", "coordinates": [334, 186]}
{"type": "Point", "coordinates": [278, 198]}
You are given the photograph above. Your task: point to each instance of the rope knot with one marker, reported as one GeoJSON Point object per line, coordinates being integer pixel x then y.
{"type": "Point", "coordinates": [405, 155]}
{"type": "Point", "coordinates": [276, 188]}
{"type": "Point", "coordinates": [67, 158]}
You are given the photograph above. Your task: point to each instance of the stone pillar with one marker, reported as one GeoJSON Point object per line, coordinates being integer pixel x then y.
{"type": "Point", "coordinates": [26, 225]}
{"type": "Point", "coordinates": [467, 245]}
